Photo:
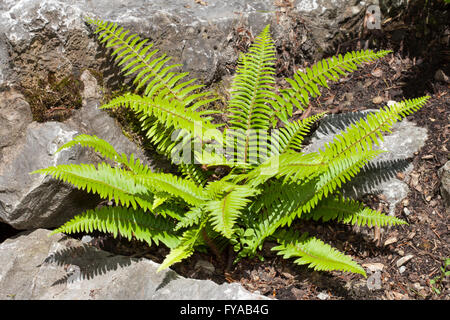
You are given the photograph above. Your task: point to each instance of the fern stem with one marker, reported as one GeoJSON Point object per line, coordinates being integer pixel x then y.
{"type": "Point", "coordinates": [212, 245]}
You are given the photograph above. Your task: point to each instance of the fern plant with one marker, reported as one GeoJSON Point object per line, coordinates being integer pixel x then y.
{"type": "Point", "coordinates": [265, 182]}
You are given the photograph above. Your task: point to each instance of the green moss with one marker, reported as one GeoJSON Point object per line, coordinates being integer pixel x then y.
{"type": "Point", "coordinates": [54, 100]}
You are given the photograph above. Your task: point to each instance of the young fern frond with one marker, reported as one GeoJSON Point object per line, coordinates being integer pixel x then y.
{"type": "Point", "coordinates": [315, 253]}
{"type": "Point", "coordinates": [127, 222]}
{"type": "Point", "coordinates": [306, 84]}
{"type": "Point", "coordinates": [252, 93]}
{"type": "Point", "coordinates": [350, 211]}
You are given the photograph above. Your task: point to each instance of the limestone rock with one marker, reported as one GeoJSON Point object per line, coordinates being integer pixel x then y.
{"type": "Point", "coordinates": [35, 266]}
{"type": "Point", "coordinates": [15, 116]}
{"type": "Point", "coordinates": [31, 201]}
{"type": "Point", "coordinates": [51, 36]}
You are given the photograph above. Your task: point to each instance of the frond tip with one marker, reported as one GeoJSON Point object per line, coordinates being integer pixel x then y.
{"type": "Point", "coordinates": [351, 212]}
{"type": "Point", "coordinates": [315, 253]}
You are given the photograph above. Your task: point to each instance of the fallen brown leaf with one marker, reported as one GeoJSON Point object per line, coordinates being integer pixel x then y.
{"type": "Point", "coordinates": [377, 72]}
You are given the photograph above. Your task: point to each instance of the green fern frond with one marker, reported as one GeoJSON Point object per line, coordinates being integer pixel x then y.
{"type": "Point", "coordinates": [194, 173]}
{"type": "Point", "coordinates": [350, 212]}
{"type": "Point", "coordinates": [153, 73]}
{"type": "Point", "coordinates": [109, 183]}
{"type": "Point", "coordinates": [252, 92]}
{"type": "Point", "coordinates": [315, 253]}
{"type": "Point", "coordinates": [175, 186]}
{"type": "Point", "coordinates": [306, 84]}
{"type": "Point", "coordinates": [99, 145]}
{"type": "Point", "coordinates": [290, 137]}
{"type": "Point", "coordinates": [295, 166]}
{"type": "Point", "coordinates": [364, 133]}
{"type": "Point", "coordinates": [283, 202]}
{"type": "Point", "coordinates": [135, 165]}
{"type": "Point", "coordinates": [107, 150]}
{"type": "Point", "coordinates": [166, 112]}
{"type": "Point", "coordinates": [186, 247]}
{"type": "Point", "coordinates": [127, 222]}
{"type": "Point", "coordinates": [190, 218]}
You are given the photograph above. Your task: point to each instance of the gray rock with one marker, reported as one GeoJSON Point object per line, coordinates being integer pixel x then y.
{"type": "Point", "coordinates": [444, 174]}
{"type": "Point", "coordinates": [15, 116]}
{"type": "Point", "coordinates": [5, 60]}
{"type": "Point", "coordinates": [91, 120]}
{"type": "Point", "coordinates": [34, 266]}
{"type": "Point", "coordinates": [32, 201]}
{"type": "Point", "coordinates": [323, 296]}
{"type": "Point", "coordinates": [205, 266]}
{"type": "Point", "coordinates": [51, 36]}
{"type": "Point", "coordinates": [379, 176]}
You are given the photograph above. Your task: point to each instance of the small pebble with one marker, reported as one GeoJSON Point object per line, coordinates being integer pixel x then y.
{"type": "Point", "coordinates": [402, 269]}
{"type": "Point", "coordinates": [86, 239]}
{"type": "Point", "coordinates": [411, 235]}
{"type": "Point", "coordinates": [406, 211]}
{"type": "Point", "coordinates": [417, 286]}
{"type": "Point", "coordinates": [323, 296]}
{"type": "Point", "coordinates": [377, 100]}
